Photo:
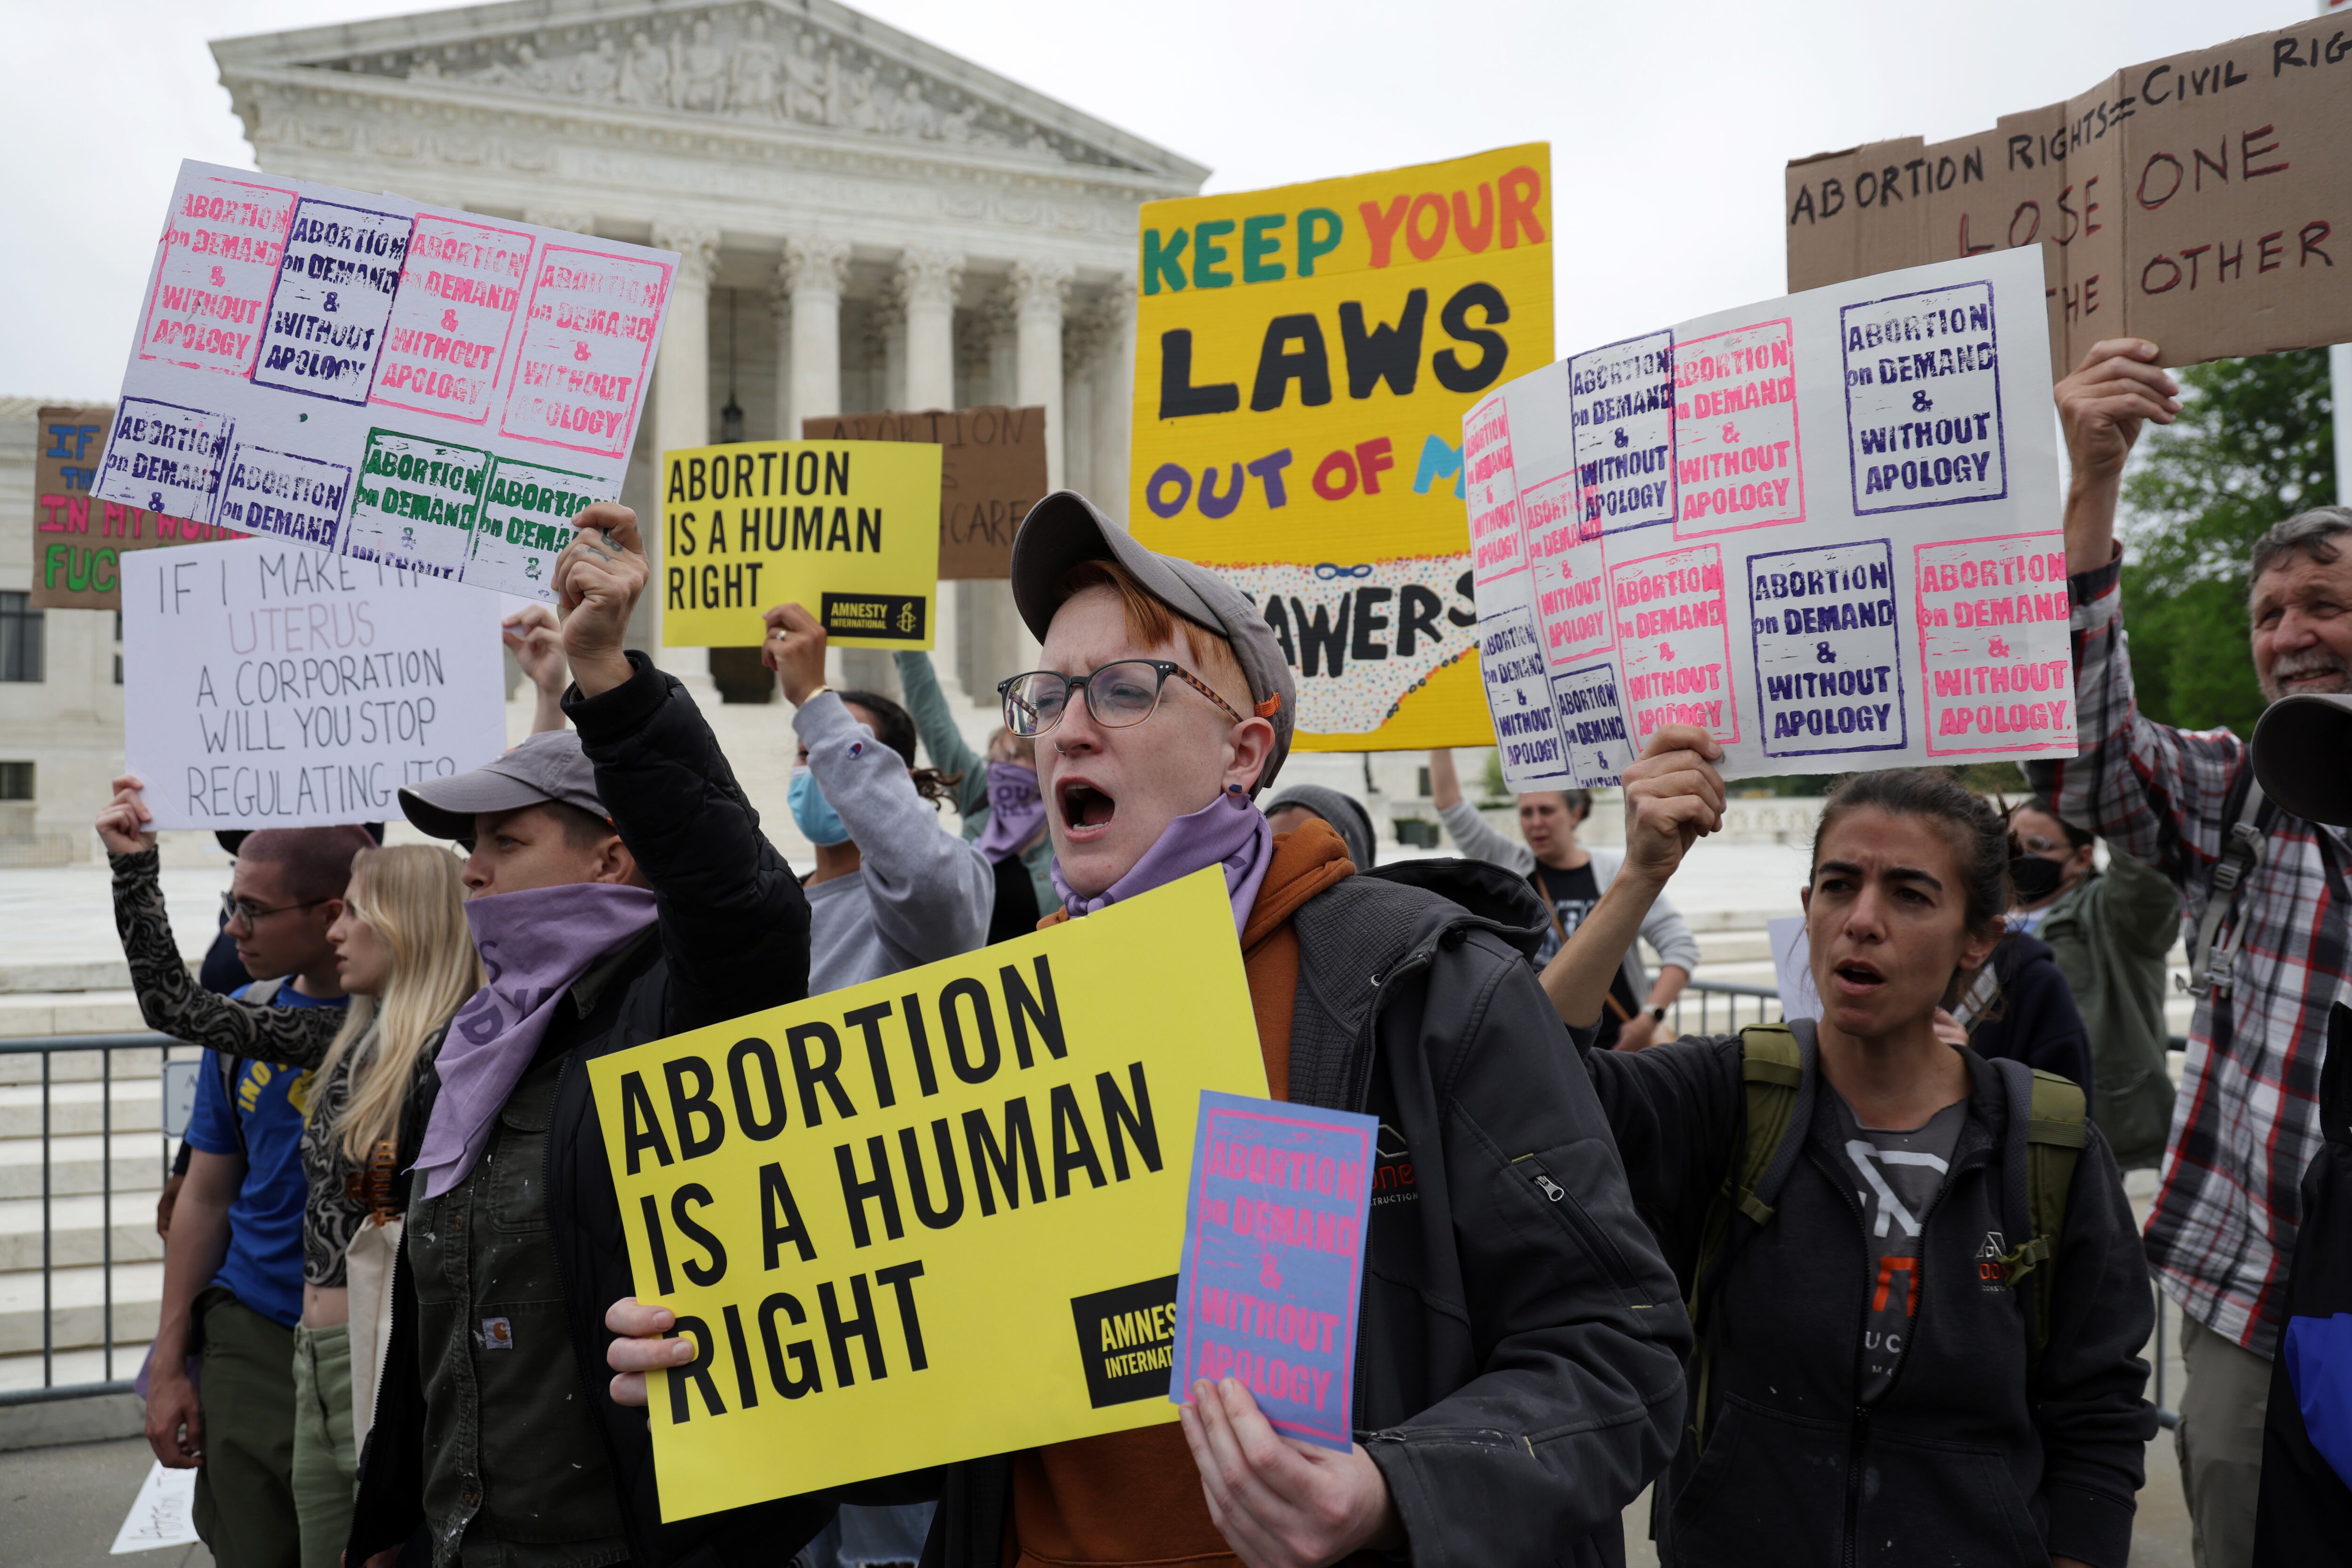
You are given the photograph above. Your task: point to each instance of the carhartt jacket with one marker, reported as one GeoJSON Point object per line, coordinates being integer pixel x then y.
{"type": "Point", "coordinates": [514, 1440]}
{"type": "Point", "coordinates": [1984, 1451]}
{"type": "Point", "coordinates": [2109, 933]}
{"type": "Point", "coordinates": [1518, 1363]}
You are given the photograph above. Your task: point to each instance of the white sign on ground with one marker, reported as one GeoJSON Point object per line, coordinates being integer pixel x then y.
{"type": "Point", "coordinates": [163, 1513]}
{"type": "Point", "coordinates": [425, 388]}
{"type": "Point", "coordinates": [265, 685]}
{"type": "Point", "coordinates": [1823, 528]}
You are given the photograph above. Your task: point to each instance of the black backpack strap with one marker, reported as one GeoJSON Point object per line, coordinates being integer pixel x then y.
{"type": "Point", "coordinates": [2248, 810]}
{"type": "Point", "coordinates": [2038, 1168]}
{"type": "Point", "coordinates": [1777, 1115]}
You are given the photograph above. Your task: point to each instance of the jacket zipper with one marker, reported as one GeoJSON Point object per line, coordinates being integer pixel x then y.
{"type": "Point", "coordinates": [1359, 1094]}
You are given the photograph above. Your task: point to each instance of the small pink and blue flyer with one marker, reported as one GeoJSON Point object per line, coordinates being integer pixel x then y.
{"type": "Point", "coordinates": [1273, 1260]}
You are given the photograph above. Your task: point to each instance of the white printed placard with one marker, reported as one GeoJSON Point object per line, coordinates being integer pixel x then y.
{"type": "Point", "coordinates": [1805, 526]}
{"type": "Point", "coordinates": [268, 685]}
{"type": "Point", "coordinates": [345, 371]}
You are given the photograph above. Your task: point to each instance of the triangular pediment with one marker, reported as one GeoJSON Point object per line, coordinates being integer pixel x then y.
{"type": "Point", "coordinates": [816, 67]}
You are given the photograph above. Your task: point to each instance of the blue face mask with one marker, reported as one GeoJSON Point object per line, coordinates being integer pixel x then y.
{"type": "Point", "coordinates": [813, 812]}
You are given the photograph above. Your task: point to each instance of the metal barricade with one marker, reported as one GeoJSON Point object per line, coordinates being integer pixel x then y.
{"type": "Point", "coordinates": [122, 1060]}
{"type": "Point", "coordinates": [1720, 1005]}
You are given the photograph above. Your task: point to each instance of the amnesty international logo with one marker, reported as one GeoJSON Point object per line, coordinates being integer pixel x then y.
{"type": "Point", "coordinates": [897, 617]}
{"type": "Point", "coordinates": [1126, 1341]}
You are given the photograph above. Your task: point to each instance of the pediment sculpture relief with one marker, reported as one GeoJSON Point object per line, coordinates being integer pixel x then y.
{"type": "Point", "coordinates": [746, 65]}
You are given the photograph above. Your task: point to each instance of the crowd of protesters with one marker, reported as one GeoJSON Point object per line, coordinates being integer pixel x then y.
{"type": "Point", "coordinates": [1863, 1287]}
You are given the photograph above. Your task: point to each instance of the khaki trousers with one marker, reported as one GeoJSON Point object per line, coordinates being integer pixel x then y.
{"type": "Point", "coordinates": [245, 1497]}
{"type": "Point", "coordinates": [2219, 1441]}
{"type": "Point", "coordinates": [326, 1460]}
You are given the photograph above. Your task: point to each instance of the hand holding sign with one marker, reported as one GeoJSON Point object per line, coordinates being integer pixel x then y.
{"type": "Point", "coordinates": [597, 580]}
{"type": "Point", "coordinates": [794, 650]}
{"type": "Point", "coordinates": [642, 1347]}
{"type": "Point", "coordinates": [123, 821]}
{"type": "Point", "coordinates": [1674, 797]}
{"type": "Point", "coordinates": [1280, 1503]}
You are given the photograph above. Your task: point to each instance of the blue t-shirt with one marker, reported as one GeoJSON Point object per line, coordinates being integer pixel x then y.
{"type": "Point", "coordinates": [264, 1265]}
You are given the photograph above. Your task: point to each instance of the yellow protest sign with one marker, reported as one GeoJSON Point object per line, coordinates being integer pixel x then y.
{"type": "Point", "coordinates": [934, 1217]}
{"type": "Point", "coordinates": [1303, 359]}
{"type": "Point", "coordinates": [850, 529]}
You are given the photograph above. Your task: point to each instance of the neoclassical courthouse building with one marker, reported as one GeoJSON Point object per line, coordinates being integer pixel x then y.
{"type": "Point", "coordinates": [866, 222]}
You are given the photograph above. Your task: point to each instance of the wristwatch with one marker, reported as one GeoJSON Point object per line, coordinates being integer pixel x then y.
{"type": "Point", "coordinates": [1658, 1015]}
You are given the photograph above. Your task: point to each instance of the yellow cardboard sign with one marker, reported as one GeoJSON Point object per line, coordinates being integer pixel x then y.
{"type": "Point", "coordinates": [850, 529]}
{"type": "Point", "coordinates": [1303, 359]}
{"type": "Point", "coordinates": [934, 1217]}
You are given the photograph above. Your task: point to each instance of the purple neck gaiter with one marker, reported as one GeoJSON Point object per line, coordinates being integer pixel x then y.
{"type": "Point", "coordinates": [1015, 810]}
{"type": "Point", "coordinates": [533, 945]}
{"type": "Point", "coordinates": [1229, 831]}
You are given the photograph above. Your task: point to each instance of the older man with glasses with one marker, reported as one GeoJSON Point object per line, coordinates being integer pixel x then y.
{"type": "Point", "coordinates": [233, 1260]}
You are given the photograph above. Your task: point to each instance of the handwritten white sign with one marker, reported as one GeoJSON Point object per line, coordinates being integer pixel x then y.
{"type": "Point", "coordinates": [1823, 528]}
{"type": "Point", "coordinates": [265, 685]}
{"type": "Point", "coordinates": [430, 389]}
{"type": "Point", "coordinates": [163, 1513]}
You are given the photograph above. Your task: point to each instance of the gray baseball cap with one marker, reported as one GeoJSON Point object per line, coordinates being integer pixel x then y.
{"type": "Point", "coordinates": [1065, 529]}
{"type": "Point", "coordinates": [547, 766]}
{"type": "Point", "coordinates": [2303, 755]}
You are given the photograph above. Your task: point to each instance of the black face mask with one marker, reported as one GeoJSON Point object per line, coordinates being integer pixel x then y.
{"type": "Point", "coordinates": [2035, 878]}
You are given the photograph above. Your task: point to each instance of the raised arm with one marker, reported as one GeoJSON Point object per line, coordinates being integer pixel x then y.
{"type": "Point", "coordinates": [734, 922]}
{"type": "Point", "coordinates": [168, 1000]}
{"type": "Point", "coordinates": [536, 639]}
{"type": "Point", "coordinates": [2155, 792]}
{"type": "Point", "coordinates": [936, 727]}
{"type": "Point", "coordinates": [2140, 904]}
{"type": "Point", "coordinates": [1673, 796]}
{"type": "Point", "coordinates": [1469, 831]}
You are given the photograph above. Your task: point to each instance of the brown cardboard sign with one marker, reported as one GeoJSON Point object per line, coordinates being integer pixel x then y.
{"type": "Point", "coordinates": [2203, 201]}
{"type": "Point", "coordinates": [992, 471]}
{"type": "Point", "coordinates": [77, 539]}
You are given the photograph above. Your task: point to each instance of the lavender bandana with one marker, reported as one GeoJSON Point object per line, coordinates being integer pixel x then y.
{"type": "Point", "coordinates": [533, 945]}
{"type": "Point", "coordinates": [1230, 830]}
{"type": "Point", "coordinates": [1015, 810]}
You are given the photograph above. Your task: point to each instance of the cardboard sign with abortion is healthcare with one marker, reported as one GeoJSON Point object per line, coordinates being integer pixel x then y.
{"type": "Point", "coordinates": [1303, 360]}
{"type": "Point", "coordinates": [933, 1216]}
{"type": "Point", "coordinates": [1273, 1260]}
{"type": "Point", "coordinates": [1823, 528]}
{"type": "Point", "coordinates": [848, 529]}
{"type": "Point", "coordinates": [435, 391]}
{"type": "Point", "coordinates": [267, 685]}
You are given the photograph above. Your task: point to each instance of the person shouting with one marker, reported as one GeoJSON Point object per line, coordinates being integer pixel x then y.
{"type": "Point", "coordinates": [1518, 1360]}
{"type": "Point", "coordinates": [1912, 1348]}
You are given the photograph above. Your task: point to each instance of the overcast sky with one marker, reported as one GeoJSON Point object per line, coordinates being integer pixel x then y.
{"type": "Point", "coordinates": [1668, 124]}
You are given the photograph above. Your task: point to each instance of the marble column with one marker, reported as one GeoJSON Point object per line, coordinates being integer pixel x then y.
{"type": "Point", "coordinates": [814, 272]}
{"type": "Point", "coordinates": [1039, 288]}
{"type": "Point", "coordinates": [1081, 338]}
{"type": "Point", "coordinates": [780, 308]}
{"type": "Point", "coordinates": [1114, 377]}
{"type": "Point", "coordinates": [681, 391]}
{"type": "Point", "coordinates": [927, 281]}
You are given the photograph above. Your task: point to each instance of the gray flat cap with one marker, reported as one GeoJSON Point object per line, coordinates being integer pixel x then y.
{"type": "Point", "coordinates": [1343, 811]}
{"type": "Point", "coordinates": [1065, 531]}
{"type": "Point", "coordinates": [547, 766]}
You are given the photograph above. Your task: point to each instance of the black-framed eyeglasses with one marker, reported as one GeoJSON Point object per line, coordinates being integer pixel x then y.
{"type": "Point", "coordinates": [234, 909]}
{"type": "Point", "coordinates": [1124, 692]}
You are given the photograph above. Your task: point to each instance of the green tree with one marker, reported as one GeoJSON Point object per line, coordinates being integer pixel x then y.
{"type": "Point", "coordinates": [2255, 443]}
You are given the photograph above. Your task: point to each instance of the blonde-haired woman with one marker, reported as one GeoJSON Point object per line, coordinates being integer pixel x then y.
{"type": "Point", "coordinates": [407, 961]}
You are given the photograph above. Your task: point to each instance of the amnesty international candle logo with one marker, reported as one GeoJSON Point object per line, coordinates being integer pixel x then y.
{"type": "Point", "coordinates": [849, 529]}
{"type": "Point", "coordinates": [933, 1216]}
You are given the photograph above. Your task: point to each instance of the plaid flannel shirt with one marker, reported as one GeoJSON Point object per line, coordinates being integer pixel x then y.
{"type": "Point", "coordinates": [2247, 1119]}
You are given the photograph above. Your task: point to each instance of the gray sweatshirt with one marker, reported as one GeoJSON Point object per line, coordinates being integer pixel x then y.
{"type": "Point", "coordinates": [920, 893]}
{"type": "Point", "coordinates": [1663, 928]}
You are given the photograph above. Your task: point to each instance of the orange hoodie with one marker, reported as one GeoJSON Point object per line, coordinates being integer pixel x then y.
{"type": "Point", "coordinates": [1134, 1498]}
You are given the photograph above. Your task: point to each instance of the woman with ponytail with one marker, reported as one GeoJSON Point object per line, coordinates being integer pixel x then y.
{"type": "Point", "coordinates": [407, 962]}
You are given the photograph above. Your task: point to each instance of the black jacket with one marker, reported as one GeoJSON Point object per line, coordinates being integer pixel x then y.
{"type": "Point", "coordinates": [1983, 1451]}
{"type": "Point", "coordinates": [1517, 1375]}
{"type": "Point", "coordinates": [2305, 1518]}
{"type": "Point", "coordinates": [734, 938]}
{"type": "Point", "coordinates": [2036, 1022]}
